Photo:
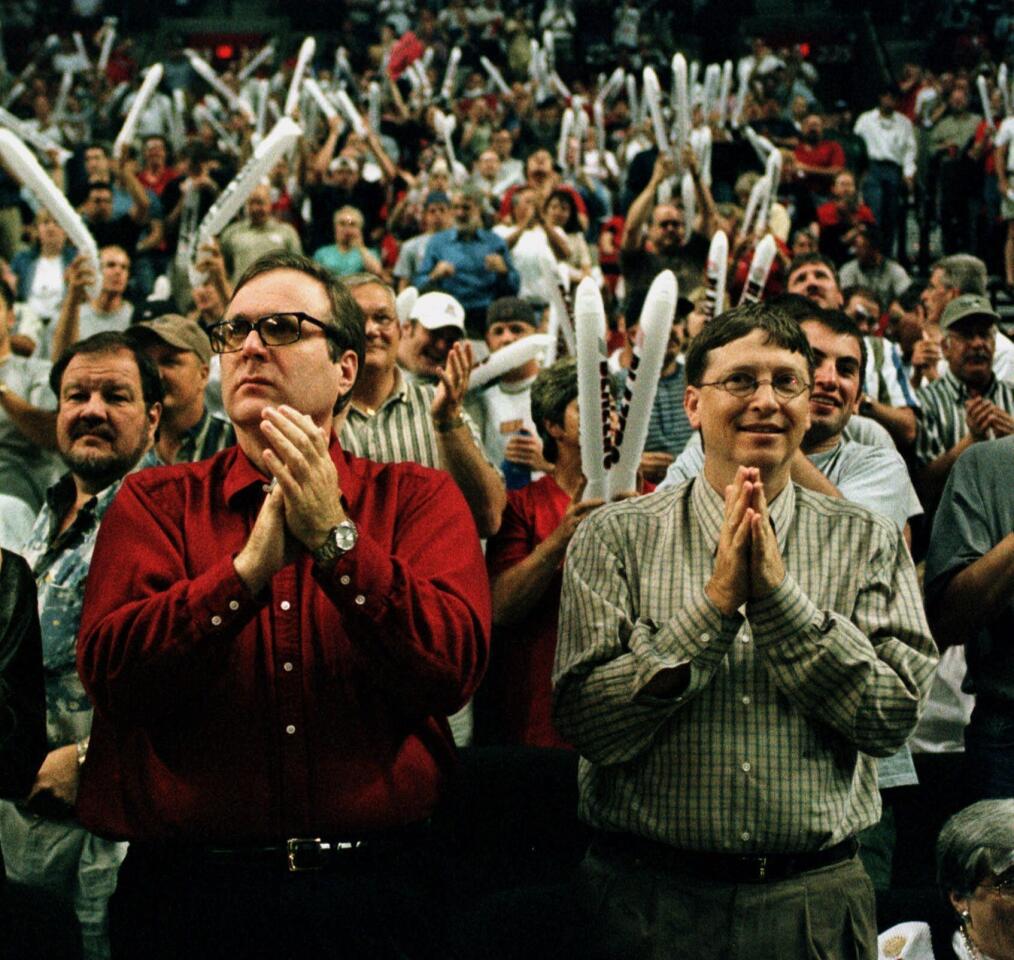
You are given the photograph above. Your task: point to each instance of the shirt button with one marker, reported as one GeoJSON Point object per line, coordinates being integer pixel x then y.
{"type": "Point", "coordinates": [746, 700]}
{"type": "Point", "coordinates": [704, 638]}
{"type": "Point", "coordinates": [360, 599]}
{"type": "Point", "coordinates": [745, 835]}
{"type": "Point", "coordinates": [216, 621]}
{"type": "Point", "coordinates": [233, 604]}
{"type": "Point", "coordinates": [345, 579]}
{"type": "Point", "coordinates": [745, 638]}
{"type": "Point", "coordinates": [290, 729]}
{"type": "Point", "coordinates": [287, 666]}
{"type": "Point", "coordinates": [746, 766]}
{"type": "Point", "coordinates": [285, 604]}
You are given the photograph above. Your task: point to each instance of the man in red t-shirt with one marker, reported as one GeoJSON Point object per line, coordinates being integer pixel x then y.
{"type": "Point", "coordinates": [820, 159]}
{"type": "Point", "coordinates": [525, 563]}
{"type": "Point", "coordinates": [840, 217]}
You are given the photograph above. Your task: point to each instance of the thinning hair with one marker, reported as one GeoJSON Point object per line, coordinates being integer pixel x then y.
{"type": "Point", "coordinates": [807, 258]}
{"type": "Point", "coordinates": [963, 272]}
{"type": "Point", "coordinates": [781, 331]}
{"type": "Point", "coordinates": [976, 843]}
{"type": "Point", "coordinates": [346, 325]}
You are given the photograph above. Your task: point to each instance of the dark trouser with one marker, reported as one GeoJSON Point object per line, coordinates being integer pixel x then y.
{"type": "Point", "coordinates": [882, 191]}
{"type": "Point", "coordinates": [639, 910]}
{"type": "Point", "coordinates": [989, 751]}
{"type": "Point", "coordinates": [177, 904]}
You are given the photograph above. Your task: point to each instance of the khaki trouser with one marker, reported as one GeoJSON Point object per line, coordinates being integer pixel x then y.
{"type": "Point", "coordinates": [636, 911]}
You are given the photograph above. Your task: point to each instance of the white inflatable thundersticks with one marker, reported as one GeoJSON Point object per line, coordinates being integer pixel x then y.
{"type": "Point", "coordinates": [593, 394]}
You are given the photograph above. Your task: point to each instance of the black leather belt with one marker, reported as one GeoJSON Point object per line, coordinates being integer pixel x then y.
{"type": "Point", "coordinates": [723, 867]}
{"type": "Point", "coordinates": [297, 854]}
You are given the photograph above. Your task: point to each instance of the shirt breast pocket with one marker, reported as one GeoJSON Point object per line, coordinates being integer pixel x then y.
{"type": "Point", "coordinates": [59, 618]}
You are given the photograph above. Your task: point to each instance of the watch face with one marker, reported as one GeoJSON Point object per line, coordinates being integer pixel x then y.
{"type": "Point", "coordinates": [345, 535]}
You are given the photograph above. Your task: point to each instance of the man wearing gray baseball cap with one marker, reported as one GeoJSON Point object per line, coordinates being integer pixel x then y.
{"type": "Point", "coordinates": [182, 352]}
{"type": "Point", "coordinates": [968, 403]}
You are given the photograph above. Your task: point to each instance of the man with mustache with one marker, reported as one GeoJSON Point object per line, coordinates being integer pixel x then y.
{"type": "Point", "coordinates": [109, 401]}
{"type": "Point", "coordinates": [968, 404]}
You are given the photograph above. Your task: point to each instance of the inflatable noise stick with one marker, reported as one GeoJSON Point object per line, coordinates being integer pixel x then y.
{"type": "Point", "coordinates": [306, 51]}
{"type": "Point", "coordinates": [326, 106]}
{"type": "Point", "coordinates": [760, 267]}
{"type": "Point", "coordinates": [652, 93]}
{"type": "Point", "coordinates": [682, 104]}
{"type": "Point", "coordinates": [152, 78]}
{"type": "Point", "coordinates": [207, 72]}
{"type": "Point", "coordinates": [724, 92]}
{"type": "Point", "coordinates": [450, 74]}
{"type": "Point", "coordinates": [654, 330]}
{"type": "Point", "coordinates": [495, 76]}
{"type": "Point", "coordinates": [715, 274]}
{"type": "Point", "coordinates": [23, 165]}
{"type": "Point", "coordinates": [31, 135]}
{"type": "Point", "coordinates": [593, 405]}
{"type": "Point", "coordinates": [514, 355]}
{"type": "Point", "coordinates": [262, 57]}
{"type": "Point", "coordinates": [987, 110]}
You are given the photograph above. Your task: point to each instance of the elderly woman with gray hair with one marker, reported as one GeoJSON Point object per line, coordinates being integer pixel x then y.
{"type": "Point", "coordinates": [975, 871]}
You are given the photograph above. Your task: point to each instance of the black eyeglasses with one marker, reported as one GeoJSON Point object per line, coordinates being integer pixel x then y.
{"type": "Point", "coordinates": [275, 330]}
{"type": "Point", "coordinates": [787, 386]}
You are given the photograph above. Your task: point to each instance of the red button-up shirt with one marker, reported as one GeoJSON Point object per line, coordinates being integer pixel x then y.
{"type": "Point", "coordinates": [314, 709]}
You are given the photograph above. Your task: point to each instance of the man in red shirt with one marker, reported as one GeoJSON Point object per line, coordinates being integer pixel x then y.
{"type": "Point", "coordinates": [273, 639]}
{"type": "Point", "coordinates": [839, 218]}
{"type": "Point", "coordinates": [525, 561]}
{"type": "Point", "coordinates": [820, 159]}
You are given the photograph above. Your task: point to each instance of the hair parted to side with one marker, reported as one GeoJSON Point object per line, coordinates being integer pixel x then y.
{"type": "Point", "coordinates": [106, 342]}
{"type": "Point", "coordinates": [552, 392]}
{"type": "Point", "coordinates": [974, 844]}
{"type": "Point", "coordinates": [346, 319]}
{"type": "Point", "coordinates": [963, 272]}
{"type": "Point", "coordinates": [346, 324]}
{"type": "Point", "coordinates": [781, 329]}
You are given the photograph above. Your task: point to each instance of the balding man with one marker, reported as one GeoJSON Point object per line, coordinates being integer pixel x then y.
{"type": "Point", "coordinates": [258, 234]}
{"type": "Point", "coordinates": [951, 277]}
{"type": "Point", "coordinates": [668, 245]}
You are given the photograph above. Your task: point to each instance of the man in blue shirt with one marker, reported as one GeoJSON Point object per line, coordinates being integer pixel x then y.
{"type": "Point", "coordinates": [473, 265]}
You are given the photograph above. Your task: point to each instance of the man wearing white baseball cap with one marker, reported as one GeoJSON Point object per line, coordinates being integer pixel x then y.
{"type": "Point", "coordinates": [435, 323]}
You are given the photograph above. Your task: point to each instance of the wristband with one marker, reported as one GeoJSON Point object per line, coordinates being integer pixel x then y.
{"type": "Point", "coordinates": [446, 426]}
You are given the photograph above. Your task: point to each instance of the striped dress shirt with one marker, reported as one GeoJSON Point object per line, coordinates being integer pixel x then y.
{"type": "Point", "coordinates": [400, 429]}
{"type": "Point", "coordinates": [770, 748]}
{"type": "Point", "coordinates": [942, 420]}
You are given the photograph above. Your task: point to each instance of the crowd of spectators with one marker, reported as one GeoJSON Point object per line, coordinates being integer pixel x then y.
{"type": "Point", "coordinates": [484, 173]}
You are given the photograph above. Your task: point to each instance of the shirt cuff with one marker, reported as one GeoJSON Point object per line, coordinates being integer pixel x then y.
{"type": "Point", "coordinates": [783, 613]}
{"type": "Point", "coordinates": [219, 602]}
{"type": "Point", "coordinates": [361, 581]}
{"type": "Point", "coordinates": [700, 635]}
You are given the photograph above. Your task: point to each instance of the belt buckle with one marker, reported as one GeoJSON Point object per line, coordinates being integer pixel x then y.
{"type": "Point", "coordinates": [306, 853]}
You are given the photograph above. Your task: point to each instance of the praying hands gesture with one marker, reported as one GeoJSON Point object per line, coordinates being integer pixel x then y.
{"type": "Point", "coordinates": [748, 564]}
{"type": "Point", "coordinates": [302, 507]}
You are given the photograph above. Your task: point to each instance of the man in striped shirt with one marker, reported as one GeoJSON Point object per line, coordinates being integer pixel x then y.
{"type": "Point", "coordinates": [733, 653]}
{"type": "Point", "coordinates": [392, 419]}
{"type": "Point", "coordinates": [968, 403]}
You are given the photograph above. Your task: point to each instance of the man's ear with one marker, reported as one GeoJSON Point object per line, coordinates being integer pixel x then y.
{"type": "Point", "coordinates": [347, 368]}
{"type": "Point", "coordinates": [691, 404]}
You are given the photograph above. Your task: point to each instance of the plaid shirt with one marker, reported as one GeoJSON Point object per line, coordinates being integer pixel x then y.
{"type": "Point", "coordinates": [770, 748]}
{"type": "Point", "coordinates": [942, 420]}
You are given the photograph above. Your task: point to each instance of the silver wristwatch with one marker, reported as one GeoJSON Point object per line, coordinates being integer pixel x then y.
{"type": "Point", "coordinates": [340, 540]}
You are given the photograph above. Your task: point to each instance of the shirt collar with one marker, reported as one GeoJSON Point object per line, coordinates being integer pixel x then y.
{"type": "Point", "coordinates": [709, 507]}
{"type": "Point", "coordinates": [960, 390]}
